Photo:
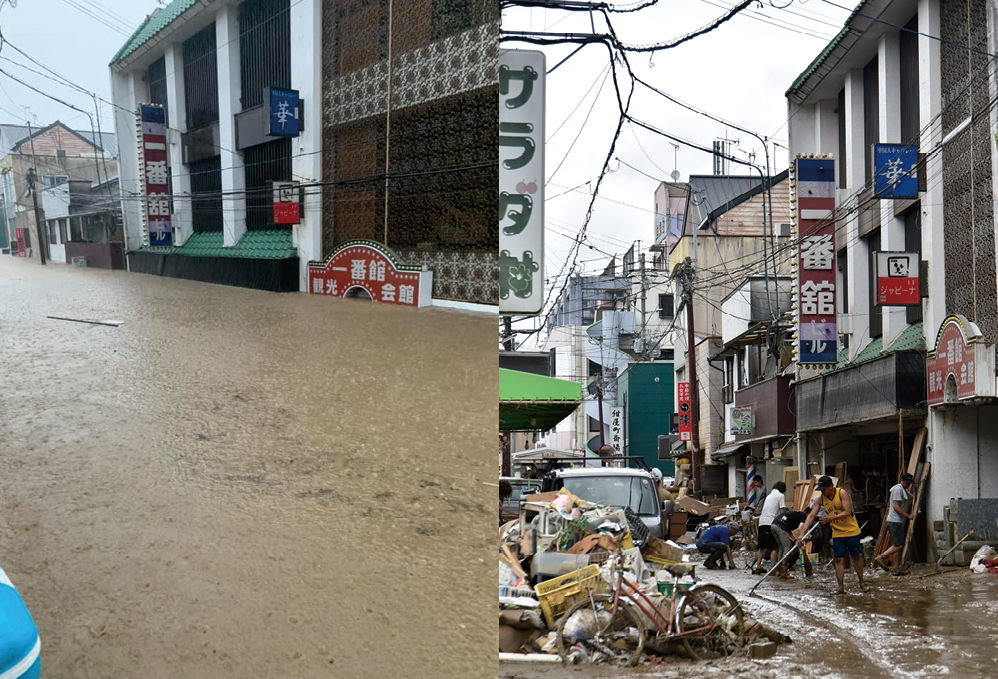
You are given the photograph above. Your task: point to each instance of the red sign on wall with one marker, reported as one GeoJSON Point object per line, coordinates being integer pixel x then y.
{"type": "Point", "coordinates": [954, 355]}
{"type": "Point", "coordinates": [685, 425]}
{"type": "Point", "coordinates": [156, 175]}
{"type": "Point", "coordinates": [897, 279]}
{"type": "Point", "coordinates": [369, 267]}
{"type": "Point", "coordinates": [286, 203]}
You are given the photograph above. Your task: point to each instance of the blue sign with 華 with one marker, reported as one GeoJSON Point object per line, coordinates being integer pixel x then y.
{"type": "Point", "coordinates": [895, 170]}
{"type": "Point", "coordinates": [283, 112]}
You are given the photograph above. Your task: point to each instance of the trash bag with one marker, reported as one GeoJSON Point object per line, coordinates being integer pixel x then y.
{"type": "Point", "coordinates": [583, 624]}
{"type": "Point", "coordinates": [984, 554]}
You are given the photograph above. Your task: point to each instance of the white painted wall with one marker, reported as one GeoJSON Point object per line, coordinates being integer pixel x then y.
{"type": "Point", "coordinates": [229, 93]}
{"type": "Point", "coordinates": [183, 222]}
{"type": "Point", "coordinates": [126, 93]}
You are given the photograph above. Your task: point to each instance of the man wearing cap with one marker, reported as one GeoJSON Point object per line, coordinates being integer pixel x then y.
{"type": "Point", "coordinates": [845, 530]}
{"type": "Point", "coordinates": [900, 494]}
{"type": "Point", "coordinates": [716, 541]}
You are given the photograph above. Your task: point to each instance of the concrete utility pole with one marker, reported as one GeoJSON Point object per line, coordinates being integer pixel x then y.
{"type": "Point", "coordinates": [687, 279]}
{"type": "Point", "coordinates": [33, 188]}
{"type": "Point", "coordinates": [644, 318]}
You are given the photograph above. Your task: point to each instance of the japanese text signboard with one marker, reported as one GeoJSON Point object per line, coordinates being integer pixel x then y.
{"type": "Point", "coordinates": [897, 278]}
{"type": "Point", "coordinates": [617, 430]}
{"type": "Point", "coordinates": [960, 356]}
{"type": "Point", "coordinates": [741, 420]}
{"type": "Point", "coordinates": [685, 425]}
{"type": "Point", "coordinates": [282, 112]}
{"type": "Point", "coordinates": [521, 181]}
{"type": "Point", "coordinates": [815, 193]}
{"type": "Point", "coordinates": [894, 167]}
{"type": "Point", "coordinates": [367, 266]}
{"type": "Point", "coordinates": [286, 203]}
{"type": "Point", "coordinates": [156, 175]}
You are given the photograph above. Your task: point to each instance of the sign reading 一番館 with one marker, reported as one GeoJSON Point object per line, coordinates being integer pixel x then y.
{"type": "Point", "coordinates": [897, 278]}
{"type": "Point", "coordinates": [156, 175]}
{"type": "Point", "coordinates": [617, 429]}
{"type": "Point", "coordinates": [741, 420]}
{"type": "Point", "coordinates": [368, 266]}
{"type": "Point", "coordinates": [959, 354]}
{"type": "Point", "coordinates": [814, 188]}
{"type": "Point", "coordinates": [685, 424]}
{"type": "Point", "coordinates": [286, 203]}
{"type": "Point", "coordinates": [282, 112]}
{"type": "Point", "coordinates": [895, 167]}
{"type": "Point", "coordinates": [521, 181]}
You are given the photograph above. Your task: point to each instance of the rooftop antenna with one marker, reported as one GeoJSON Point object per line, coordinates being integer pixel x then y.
{"type": "Point", "coordinates": [675, 163]}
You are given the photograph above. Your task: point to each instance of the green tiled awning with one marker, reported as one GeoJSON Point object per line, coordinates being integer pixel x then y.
{"type": "Point", "coordinates": [534, 402]}
{"type": "Point", "coordinates": [153, 24]}
{"type": "Point", "coordinates": [257, 244]}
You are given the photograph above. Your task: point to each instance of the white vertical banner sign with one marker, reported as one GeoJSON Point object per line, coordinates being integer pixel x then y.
{"type": "Point", "coordinates": [617, 430]}
{"type": "Point", "coordinates": [521, 181]}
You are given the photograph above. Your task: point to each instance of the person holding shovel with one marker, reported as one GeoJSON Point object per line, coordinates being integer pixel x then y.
{"type": "Point", "coordinates": [782, 529]}
{"type": "Point", "coordinates": [845, 531]}
{"type": "Point", "coordinates": [900, 494]}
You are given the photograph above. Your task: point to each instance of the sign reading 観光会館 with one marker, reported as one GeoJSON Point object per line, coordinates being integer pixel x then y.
{"type": "Point", "coordinates": [897, 278]}
{"type": "Point", "coordinates": [521, 181]}
{"type": "Point", "coordinates": [156, 175]}
{"type": "Point", "coordinates": [370, 267]}
{"type": "Point", "coordinates": [685, 424]}
{"type": "Point", "coordinates": [813, 185]}
{"type": "Point", "coordinates": [960, 360]}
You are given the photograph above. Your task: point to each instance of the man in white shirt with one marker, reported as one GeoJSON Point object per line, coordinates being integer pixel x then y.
{"type": "Point", "coordinates": [775, 505]}
{"type": "Point", "coordinates": [900, 494]}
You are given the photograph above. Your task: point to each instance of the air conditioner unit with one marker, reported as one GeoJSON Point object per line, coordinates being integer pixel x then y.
{"type": "Point", "coordinates": [664, 448]}
{"type": "Point", "coordinates": [785, 230]}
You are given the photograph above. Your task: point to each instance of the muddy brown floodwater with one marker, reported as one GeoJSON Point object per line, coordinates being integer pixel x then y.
{"type": "Point", "coordinates": [242, 484]}
{"type": "Point", "coordinates": [920, 626]}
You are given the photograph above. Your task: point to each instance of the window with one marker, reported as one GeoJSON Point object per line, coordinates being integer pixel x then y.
{"type": "Point", "coordinates": [665, 306]}
{"type": "Point", "coordinates": [913, 243]}
{"type": "Point", "coordinates": [876, 312]}
{"type": "Point", "coordinates": [908, 44]}
{"type": "Point", "coordinates": [843, 281]}
{"type": "Point", "coordinates": [60, 157]}
{"type": "Point", "coordinates": [616, 491]}
{"type": "Point", "coordinates": [75, 230]}
{"type": "Point", "coordinates": [156, 76]}
{"type": "Point", "coordinates": [54, 179]}
{"type": "Point", "coordinates": [62, 231]}
{"type": "Point", "coordinates": [52, 225]}
{"type": "Point", "coordinates": [201, 79]}
{"type": "Point", "coordinates": [264, 163]}
{"type": "Point", "coordinates": [842, 139]}
{"type": "Point", "coordinates": [264, 48]}
{"type": "Point", "coordinates": [206, 194]}
{"type": "Point", "coordinates": [871, 113]}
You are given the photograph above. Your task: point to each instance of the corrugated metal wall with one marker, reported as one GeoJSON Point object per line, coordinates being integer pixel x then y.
{"type": "Point", "coordinates": [201, 79]}
{"type": "Point", "coordinates": [264, 48]}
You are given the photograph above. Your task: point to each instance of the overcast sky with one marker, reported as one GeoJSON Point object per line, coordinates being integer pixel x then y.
{"type": "Point", "coordinates": [739, 72]}
{"type": "Point", "coordinates": [77, 39]}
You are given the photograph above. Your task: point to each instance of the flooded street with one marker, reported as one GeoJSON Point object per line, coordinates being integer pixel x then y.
{"type": "Point", "coordinates": [236, 483]}
{"type": "Point", "coordinates": [913, 627]}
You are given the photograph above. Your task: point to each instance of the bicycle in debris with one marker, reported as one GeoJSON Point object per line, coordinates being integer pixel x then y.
{"type": "Point", "coordinates": [695, 617]}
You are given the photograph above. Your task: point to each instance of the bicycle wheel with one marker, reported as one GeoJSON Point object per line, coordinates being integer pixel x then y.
{"type": "Point", "coordinates": [710, 609]}
{"type": "Point", "coordinates": [606, 632]}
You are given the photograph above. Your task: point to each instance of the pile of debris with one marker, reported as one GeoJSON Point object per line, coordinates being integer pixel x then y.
{"type": "Point", "coordinates": [563, 550]}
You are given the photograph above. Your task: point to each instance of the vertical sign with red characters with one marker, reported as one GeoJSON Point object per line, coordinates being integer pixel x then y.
{"type": "Point", "coordinates": [685, 425]}
{"type": "Point", "coordinates": [367, 269]}
{"type": "Point", "coordinates": [814, 182]}
{"type": "Point", "coordinates": [156, 175]}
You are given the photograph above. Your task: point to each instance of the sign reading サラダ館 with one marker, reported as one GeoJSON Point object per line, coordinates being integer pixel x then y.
{"type": "Point", "coordinates": [897, 279]}
{"type": "Point", "coordinates": [521, 181]}
{"type": "Point", "coordinates": [282, 108]}
{"type": "Point", "coordinates": [156, 174]}
{"type": "Point", "coordinates": [813, 183]}
{"type": "Point", "coordinates": [959, 356]}
{"type": "Point", "coordinates": [368, 266]}
{"type": "Point", "coordinates": [894, 167]}
{"type": "Point", "coordinates": [617, 429]}
{"type": "Point", "coordinates": [685, 425]}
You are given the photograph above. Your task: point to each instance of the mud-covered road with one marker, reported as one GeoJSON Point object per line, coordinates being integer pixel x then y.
{"type": "Point", "coordinates": [242, 484]}
{"type": "Point", "coordinates": [919, 626]}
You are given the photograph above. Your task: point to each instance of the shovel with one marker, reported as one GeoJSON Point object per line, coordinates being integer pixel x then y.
{"type": "Point", "coordinates": [939, 564]}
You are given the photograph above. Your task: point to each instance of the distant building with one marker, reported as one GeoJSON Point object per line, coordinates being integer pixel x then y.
{"type": "Point", "coordinates": [83, 223]}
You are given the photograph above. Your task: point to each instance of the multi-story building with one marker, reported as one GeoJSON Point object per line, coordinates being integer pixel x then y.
{"type": "Point", "coordinates": [58, 154]}
{"type": "Point", "coordinates": [917, 76]}
{"type": "Point", "coordinates": [396, 142]}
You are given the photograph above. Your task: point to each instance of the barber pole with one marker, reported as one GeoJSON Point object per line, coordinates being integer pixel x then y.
{"type": "Point", "coordinates": [750, 471]}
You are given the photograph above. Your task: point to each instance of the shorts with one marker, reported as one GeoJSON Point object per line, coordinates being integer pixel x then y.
{"type": "Point", "coordinates": [784, 540]}
{"type": "Point", "coordinates": [851, 544]}
{"type": "Point", "coordinates": [766, 541]}
{"type": "Point", "coordinates": [898, 533]}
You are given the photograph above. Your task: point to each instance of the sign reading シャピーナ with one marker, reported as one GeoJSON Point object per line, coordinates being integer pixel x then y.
{"type": "Point", "coordinates": [894, 167]}
{"type": "Point", "coordinates": [815, 194]}
{"type": "Point", "coordinates": [360, 267]}
{"type": "Point", "coordinates": [283, 105]}
{"type": "Point", "coordinates": [286, 203]}
{"type": "Point", "coordinates": [897, 279]}
{"type": "Point", "coordinates": [521, 181]}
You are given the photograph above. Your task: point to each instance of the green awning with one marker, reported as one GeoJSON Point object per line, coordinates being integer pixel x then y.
{"type": "Point", "coordinates": [533, 402]}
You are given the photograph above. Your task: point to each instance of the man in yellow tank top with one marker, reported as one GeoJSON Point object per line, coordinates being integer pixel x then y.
{"type": "Point", "coordinates": [845, 530]}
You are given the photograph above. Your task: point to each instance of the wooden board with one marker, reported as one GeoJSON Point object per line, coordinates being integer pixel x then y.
{"type": "Point", "coordinates": [919, 492]}
{"type": "Point", "coordinates": [884, 540]}
{"type": "Point", "coordinates": [842, 470]}
{"type": "Point", "coordinates": [790, 477]}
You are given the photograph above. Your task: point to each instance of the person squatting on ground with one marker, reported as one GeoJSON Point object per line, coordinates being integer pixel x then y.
{"type": "Point", "coordinates": [716, 542]}
{"type": "Point", "coordinates": [900, 494]}
{"type": "Point", "coordinates": [782, 529]}
{"type": "Point", "coordinates": [774, 505]}
{"type": "Point", "coordinates": [845, 531]}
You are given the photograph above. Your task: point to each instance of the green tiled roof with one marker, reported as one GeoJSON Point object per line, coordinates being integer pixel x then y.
{"type": "Point", "coordinates": [909, 340]}
{"type": "Point", "coordinates": [820, 59]}
{"type": "Point", "coordinates": [257, 244]}
{"type": "Point", "coordinates": [153, 25]}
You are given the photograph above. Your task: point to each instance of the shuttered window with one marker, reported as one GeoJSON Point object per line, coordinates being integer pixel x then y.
{"type": "Point", "coordinates": [264, 163]}
{"type": "Point", "coordinates": [201, 79]}
{"type": "Point", "coordinates": [909, 83]}
{"type": "Point", "coordinates": [871, 113]}
{"type": "Point", "coordinates": [264, 48]}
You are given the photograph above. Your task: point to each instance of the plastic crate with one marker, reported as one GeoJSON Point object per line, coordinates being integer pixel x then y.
{"type": "Point", "coordinates": [558, 595]}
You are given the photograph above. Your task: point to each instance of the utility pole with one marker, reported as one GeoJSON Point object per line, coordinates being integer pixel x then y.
{"type": "Point", "coordinates": [32, 186]}
{"type": "Point", "coordinates": [688, 278]}
{"type": "Point", "coordinates": [644, 318]}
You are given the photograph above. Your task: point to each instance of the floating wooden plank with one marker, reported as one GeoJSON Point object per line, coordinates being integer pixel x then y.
{"type": "Point", "coordinates": [112, 324]}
